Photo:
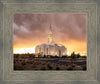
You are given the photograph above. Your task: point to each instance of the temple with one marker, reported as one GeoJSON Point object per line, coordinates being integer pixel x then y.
{"type": "Point", "coordinates": [51, 48]}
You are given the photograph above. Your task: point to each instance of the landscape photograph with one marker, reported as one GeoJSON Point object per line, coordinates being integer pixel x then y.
{"type": "Point", "coordinates": [51, 41]}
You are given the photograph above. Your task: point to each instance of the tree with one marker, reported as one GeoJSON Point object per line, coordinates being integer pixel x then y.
{"type": "Point", "coordinates": [73, 57]}
{"type": "Point", "coordinates": [78, 55]}
{"type": "Point", "coordinates": [44, 56]}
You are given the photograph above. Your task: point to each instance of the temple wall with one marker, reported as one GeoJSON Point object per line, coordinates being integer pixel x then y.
{"type": "Point", "coordinates": [49, 49]}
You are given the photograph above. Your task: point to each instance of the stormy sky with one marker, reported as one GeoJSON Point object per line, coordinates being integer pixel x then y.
{"type": "Point", "coordinates": [68, 29]}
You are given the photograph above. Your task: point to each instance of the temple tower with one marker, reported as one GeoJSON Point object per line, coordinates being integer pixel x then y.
{"type": "Point", "coordinates": [50, 36]}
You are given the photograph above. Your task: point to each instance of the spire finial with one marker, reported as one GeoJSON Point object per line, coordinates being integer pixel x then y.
{"type": "Point", "coordinates": [50, 29]}
{"type": "Point", "coordinates": [50, 37]}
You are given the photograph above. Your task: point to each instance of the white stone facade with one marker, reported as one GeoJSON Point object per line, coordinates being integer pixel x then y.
{"type": "Point", "coordinates": [51, 48]}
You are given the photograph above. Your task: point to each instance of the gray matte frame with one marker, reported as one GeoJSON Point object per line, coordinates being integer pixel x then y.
{"type": "Point", "coordinates": [9, 8]}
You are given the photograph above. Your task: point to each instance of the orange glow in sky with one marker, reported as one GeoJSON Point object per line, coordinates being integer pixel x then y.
{"type": "Point", "coordinates": [33, 29]}
{"type": "Point", "coordinates": [77, 47]}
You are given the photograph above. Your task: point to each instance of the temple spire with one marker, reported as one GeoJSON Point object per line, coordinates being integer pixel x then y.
{"type": "Point", "coordinates": [50, 36]}
{"type": "Point", "coordinates": [50, 29]}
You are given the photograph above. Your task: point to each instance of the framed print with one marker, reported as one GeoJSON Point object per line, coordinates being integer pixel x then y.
{"type": "Point", "coordinates": [61, 51]}
{"type": "Point", "coordinates": [45, 42]}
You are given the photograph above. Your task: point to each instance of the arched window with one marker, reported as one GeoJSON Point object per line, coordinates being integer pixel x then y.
{"type": "Point", "coordinates": [47, 51]}
{"type": "Point", "coordinates": [39, 50]}
{"type": "Point", "coordinates": [59, 53]}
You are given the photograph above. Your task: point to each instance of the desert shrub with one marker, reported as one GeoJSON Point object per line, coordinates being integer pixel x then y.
{"type": "Point", "coordinates": [70, 68]}
{"type": "Point", "coordinates": [64, 56]}
{"type": "Point", "coordinates": [16, 55]}
{"type": "Point", "coordinates": [73, 65]}
{"type": "Point", "coordinates": [30, 62]}
{"type": "Point", "coordinates": [49, 67]}
{"type": "Point", "coordinates": [56, 56]}
{"type": "Point", "coordinates": [39, 63]}
{"type": "Point", "coordinates": [83, 56]}
{"type": "Point", "coordinates": [57, 68]}
{"type": "Point", "coordinates": [20, 60]}
{"type": "Point", "coordinates": [36, 63]}
{"type": "Point", "coordinates": [14, 62]}
{"type": "Point", "coordinates": [18, 68]}
{"type": "Point", "coordinates": [44, 56]}
{"type": "Point", "coordinates": [43, 68]}
{"type": "Point", "coordinates": [27, 62]}
{"type": "Point", "coordinates": [23, 63]}
{"type": "Point", "coordinates": [43, 64]}
{"type": "Point", "coordinates": [84, 68]}
{"type": "Point", "coordinates": [34, 66]}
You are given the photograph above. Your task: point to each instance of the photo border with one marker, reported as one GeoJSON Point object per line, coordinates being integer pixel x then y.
{"type": "Point", "coordinates": [9, 8]}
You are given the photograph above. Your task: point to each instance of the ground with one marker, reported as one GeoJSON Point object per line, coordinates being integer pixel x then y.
{"type": "Point", "coordinates": [49, 64]}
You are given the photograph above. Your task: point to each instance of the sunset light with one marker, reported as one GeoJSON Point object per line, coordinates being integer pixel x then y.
{"type": "Point", "coordinates": [31, 30]}
{"type": "Point", "coordinates": [50, 42]}
{"type": "Point", "coordinates": [24, 50]}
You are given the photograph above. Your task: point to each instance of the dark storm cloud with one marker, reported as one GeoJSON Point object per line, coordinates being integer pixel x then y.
{"type": "Point", "coordinates": [35, 27]}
